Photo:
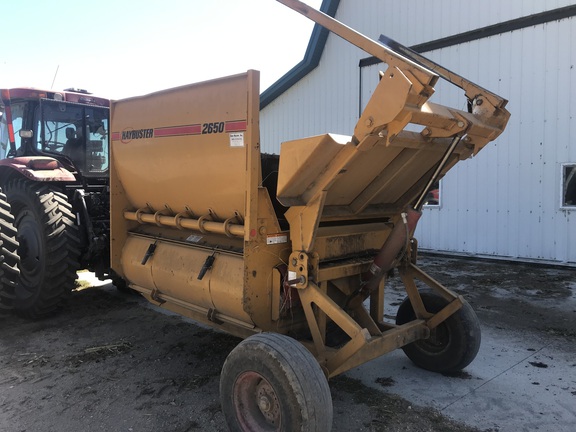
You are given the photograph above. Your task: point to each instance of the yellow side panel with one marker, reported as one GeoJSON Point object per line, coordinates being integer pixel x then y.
{"type": "Point", "coordinates": [184, 148]}
{"type": "Point", "coordinates": [173, 270]}
{"type": "Point", "coordinates": [302, 163]}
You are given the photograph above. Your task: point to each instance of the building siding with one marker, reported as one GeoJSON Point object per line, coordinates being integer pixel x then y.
{"type": "Point", "coordinates": [505, 201]}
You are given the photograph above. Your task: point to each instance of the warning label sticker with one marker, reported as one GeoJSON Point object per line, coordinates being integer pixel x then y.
{"type": "Point", "coordinates": [194, 238]}
{"type": "Point", "coordinates": [237, 139]}
{"type": "Point", "coordinates": [276, 239]}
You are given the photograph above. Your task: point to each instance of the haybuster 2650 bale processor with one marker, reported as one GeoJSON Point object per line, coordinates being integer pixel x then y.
{"type": "Point", "coordinates": [197, 228]}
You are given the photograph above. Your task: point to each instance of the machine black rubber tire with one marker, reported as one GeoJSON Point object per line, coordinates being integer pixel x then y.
{"type": "Point", "coordinates": [122, 286]}
{"type": "Point", "coordinates": [9, 260]}
{"type": "Point", "coordinates": [270, 370]}
{"type": "Point", "coordinates": [48, 247]}
{"type": "Point", "coordinates": [452, 345]}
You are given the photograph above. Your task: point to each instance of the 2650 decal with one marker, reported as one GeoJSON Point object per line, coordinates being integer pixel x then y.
{"type": "Point", "coordinates": [230, 126]}
{"type": "Point", "coordinates": [214, 127]}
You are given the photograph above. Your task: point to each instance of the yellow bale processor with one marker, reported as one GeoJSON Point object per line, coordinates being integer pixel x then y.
{"type": "Point", "coordinates": [291, 252]}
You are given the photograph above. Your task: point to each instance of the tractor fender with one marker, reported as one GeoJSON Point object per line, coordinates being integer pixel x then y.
{"type": "Point", "coordinates": [37, 168]}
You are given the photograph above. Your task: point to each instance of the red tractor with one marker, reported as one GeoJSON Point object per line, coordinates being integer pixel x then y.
{"type": "Point", "coordinates": [54, 173]}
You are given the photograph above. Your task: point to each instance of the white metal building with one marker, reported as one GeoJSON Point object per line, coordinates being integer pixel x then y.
{"type": "Point", "coordinates": [517, 197]}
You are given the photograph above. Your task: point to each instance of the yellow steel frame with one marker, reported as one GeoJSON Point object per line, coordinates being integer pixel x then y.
{"type": "Point", "coordinates": [400, 98]}
{"type": "Point", "coordinates": [328, 185]}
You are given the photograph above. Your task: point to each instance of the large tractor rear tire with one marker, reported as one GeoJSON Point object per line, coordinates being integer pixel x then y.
{"type": "Point", "coordinates": [9, 259]}
{"type": "Point", "coordinates": [271, 382]}
{"type": "Point", "coordinates": [48, 247]}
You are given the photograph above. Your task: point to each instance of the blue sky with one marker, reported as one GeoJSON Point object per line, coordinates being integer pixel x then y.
{"type": "Point", "coordinates": [126, 48]}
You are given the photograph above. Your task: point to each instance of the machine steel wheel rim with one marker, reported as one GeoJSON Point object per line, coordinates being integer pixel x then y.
{"type": "Point", "coordinates": [256, 403]}
{"type": "Point", "coordinates": [437, 342]}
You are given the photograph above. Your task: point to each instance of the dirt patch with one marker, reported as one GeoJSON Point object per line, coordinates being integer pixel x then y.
{"type": "Point", "coordinates": [385, 381]}
{"type": "Point", "coordinates": [506, 294]}
{"type": "Point", "coordinates": [111, 362]}
{"type": "Point", "coordinates": [386, 412]}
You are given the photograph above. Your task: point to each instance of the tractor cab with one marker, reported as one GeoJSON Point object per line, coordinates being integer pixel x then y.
{"type": "Point", "coordinates": [70, 127]}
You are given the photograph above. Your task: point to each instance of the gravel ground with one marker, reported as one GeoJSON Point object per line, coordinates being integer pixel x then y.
{"type": "Point", "coordinates": [112, 362]}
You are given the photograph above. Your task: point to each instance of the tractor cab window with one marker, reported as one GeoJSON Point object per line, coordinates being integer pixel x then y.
{"type": "Point", "coordinates": [59, 128]}
{"type": "Point", "coordinates": [17, 111]}
{"type": "Point", "coordinates": [76, 131]}
{"type": "Point", "coordinates": [3, 135]}
{"type": "Point", "coordinates": [97, 140]}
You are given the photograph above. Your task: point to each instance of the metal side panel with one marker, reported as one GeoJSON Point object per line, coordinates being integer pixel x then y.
{"type": "Point", "coordinates": [186, 149]}
{"type": "Point", "coordinates": [172, 273]}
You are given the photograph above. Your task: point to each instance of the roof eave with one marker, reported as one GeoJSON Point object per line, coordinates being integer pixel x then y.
{"type": "Point", "coordinates": [308, 64]}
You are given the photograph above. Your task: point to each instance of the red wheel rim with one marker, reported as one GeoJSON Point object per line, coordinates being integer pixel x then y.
{"type": "Point", "coordinates": [256, 404]}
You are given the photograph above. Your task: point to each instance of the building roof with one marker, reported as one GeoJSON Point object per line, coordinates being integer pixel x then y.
{"type": "Point", "coordinates": [310, 61]}
{"type": "Point", "coordinates": [329, 7]}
